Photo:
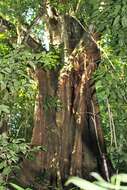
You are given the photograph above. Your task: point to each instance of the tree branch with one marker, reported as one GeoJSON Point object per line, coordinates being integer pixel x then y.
{"type": "Point", "coordinates": [29, 41]}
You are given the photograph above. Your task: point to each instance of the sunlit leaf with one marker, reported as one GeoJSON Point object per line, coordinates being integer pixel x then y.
{"type": "Point", "coordinates": [83, 184]}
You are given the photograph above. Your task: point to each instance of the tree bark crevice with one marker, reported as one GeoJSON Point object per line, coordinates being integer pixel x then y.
{"type": "Point", "coordinates": [69, 134]}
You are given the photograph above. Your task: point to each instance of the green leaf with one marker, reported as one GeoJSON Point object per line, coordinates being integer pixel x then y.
{"type": "Point", "coordinates": [97, 176]}
{"type": "Point", "coordinates": [2, 164]}
{"type": "Point", "coordinates": [121, 177]}
{"type": "Point", "coordinates": [2, 85]}
{"type": "Point", "coordinates": [2, 187]}
{"type": "Point", "coordinates": [6, 170]}
{"type": "Point", "coordinates": [16, 186]}
{"type": "Point", "coordinates": [83, 184]}
{"type": "Point", "coordinates": [4, 108]}
{"type": "Point", "coordinates": [116, 21]}
{"type": "Point", "coordinates": [124, 21]}
{"type": "Point", "coordinates": [117, 9]}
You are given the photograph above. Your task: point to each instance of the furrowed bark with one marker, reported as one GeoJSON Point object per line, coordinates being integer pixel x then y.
{"type": "Point", "coordinates": [73, 135]}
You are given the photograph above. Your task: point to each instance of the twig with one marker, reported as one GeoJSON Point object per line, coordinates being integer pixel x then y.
{"type": "Point", "coordinates": [110, 123]}
{"type": "Point", "coordinates": [98, 143]}
{"type": "Point", "coordinates": [78, 5]}
{"type": "Point", "coordinates": [112, 126]}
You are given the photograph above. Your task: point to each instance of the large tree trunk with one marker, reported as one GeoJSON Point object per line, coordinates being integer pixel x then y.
{"type": "Point", "coordinates": [73, 135]}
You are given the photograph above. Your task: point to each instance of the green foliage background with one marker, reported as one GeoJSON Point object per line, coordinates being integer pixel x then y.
{"type": "Point", "coordinates": [18, 89]}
